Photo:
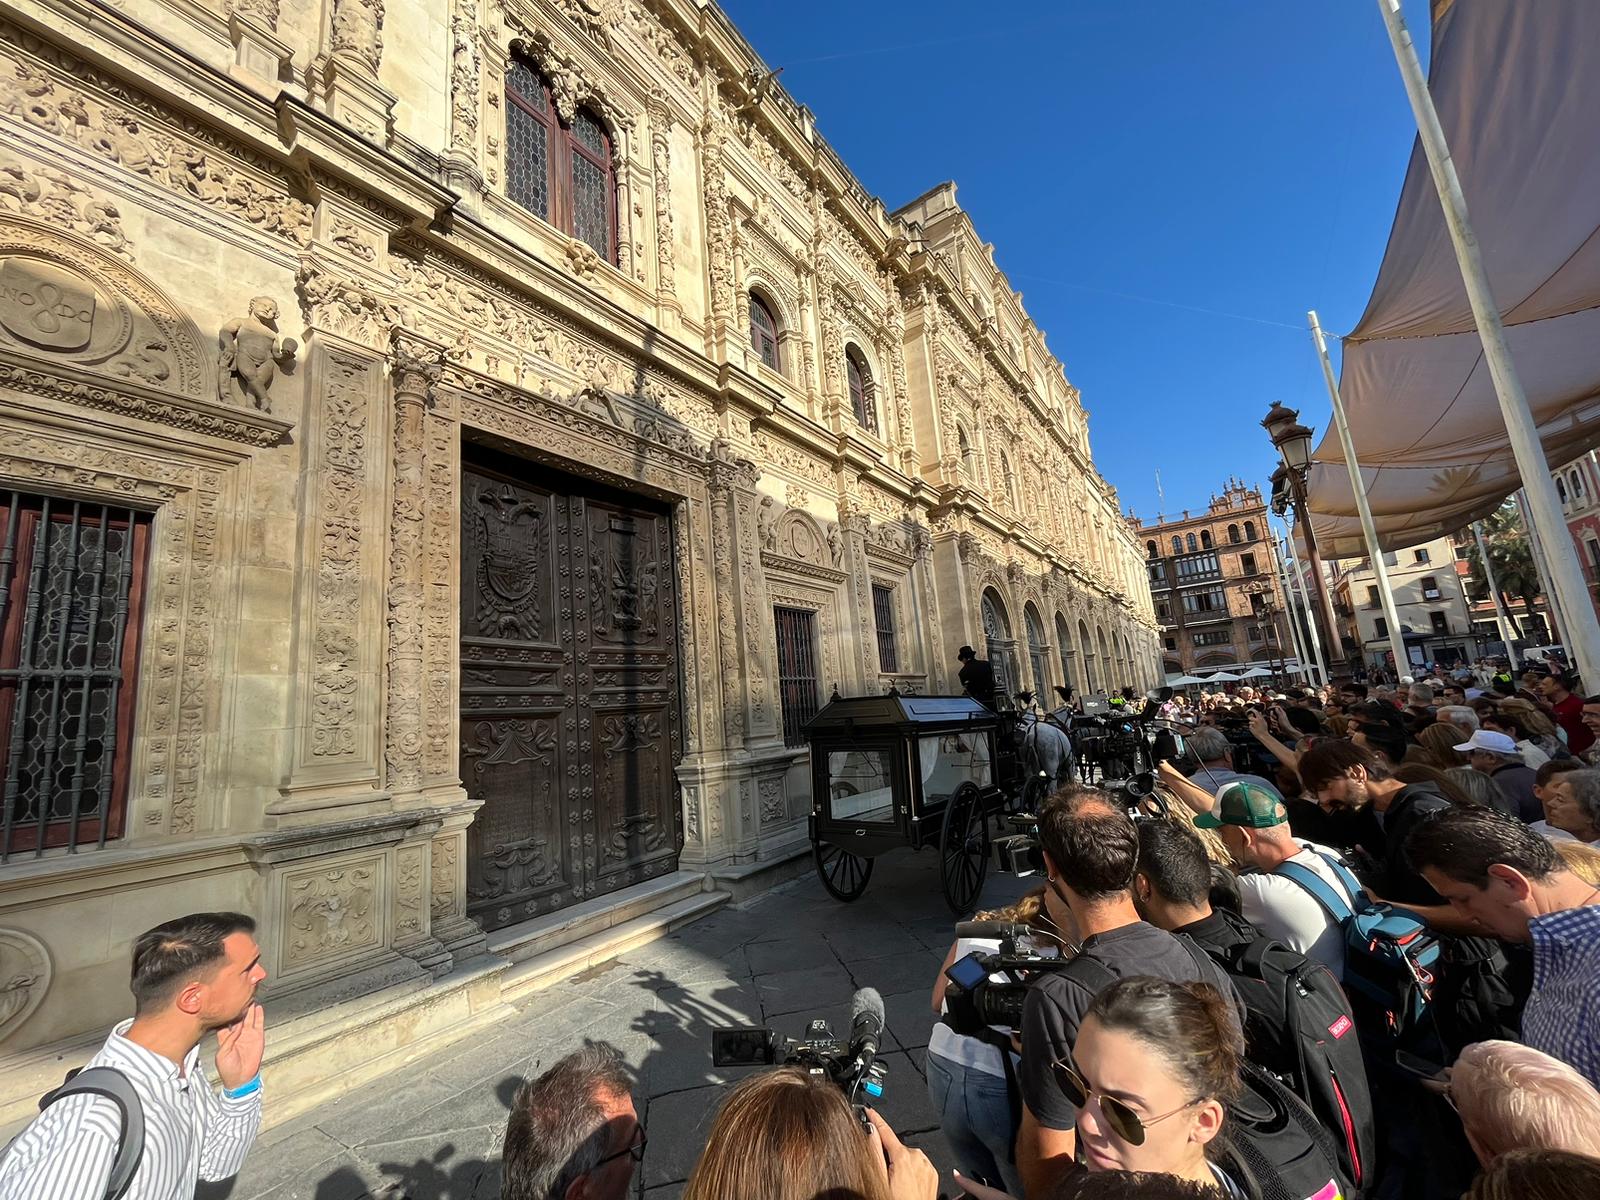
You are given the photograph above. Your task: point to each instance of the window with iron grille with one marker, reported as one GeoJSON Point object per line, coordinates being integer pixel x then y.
{"type": "Point", "coordinates": [72, 581]}
{"type": "Point", "coordinates": [1207, 600]}
{"type": "Point", "coordinates": [861, 391]}
{"type": "Point", "coordinates": [797, 670]}
{"type": "Point", "coordinates": [560, 172]}
{"type": "Point", "coordinates": [1215, 637]}
{"type": "Point", "coordinates": [883, 618]}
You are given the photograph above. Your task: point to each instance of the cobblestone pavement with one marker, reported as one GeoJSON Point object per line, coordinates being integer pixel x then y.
{"type": "Point", "coordinates": [432, 1131]}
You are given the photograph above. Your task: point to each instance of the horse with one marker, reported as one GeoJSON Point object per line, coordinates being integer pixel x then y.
{"type": "Point", "coordinates": [1044, 746]}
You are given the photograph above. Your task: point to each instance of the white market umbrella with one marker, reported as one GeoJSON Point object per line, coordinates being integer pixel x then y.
{"type": "Point", "coordinates": [1256, 673]}
{"type": "Point", "coordinates": [1182, 680]}
{"type": "Point", "coordinates": [1223, 677]}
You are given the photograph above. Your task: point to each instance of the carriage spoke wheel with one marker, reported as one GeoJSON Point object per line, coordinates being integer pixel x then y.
{"type": "Point", "coordinates": [963, 849]}
{"type": "Point", "coordinates": [845, 875]}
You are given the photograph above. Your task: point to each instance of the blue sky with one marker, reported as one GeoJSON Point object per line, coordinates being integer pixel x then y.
{"type": "Point", "coordinates": [1170, 184]}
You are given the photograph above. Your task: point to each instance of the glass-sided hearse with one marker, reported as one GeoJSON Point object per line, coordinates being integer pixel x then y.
{"type": "Point", "coordinates": [891, 771]}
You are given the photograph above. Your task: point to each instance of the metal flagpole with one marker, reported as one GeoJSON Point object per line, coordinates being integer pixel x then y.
{"type": "Point", "coordinates": [1500, 616]}
{"type": "Point", "coordinates": [1541, 564]}
{"type": "Point", "coordinates": [1305, 602]}
{"type": "Point", "coordinates": [1294, 617]}
{"type": "Point", "coordinates": [1581, 628]}
{"type": "Point", "coordinates": [1369, 531]}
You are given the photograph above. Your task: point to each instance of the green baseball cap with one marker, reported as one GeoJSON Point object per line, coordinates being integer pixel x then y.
{"type": "Point", "coordinates": [1241, 802]}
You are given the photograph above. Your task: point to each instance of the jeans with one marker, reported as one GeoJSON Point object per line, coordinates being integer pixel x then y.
{"type": "Point", "coordinates": [975, 1116]}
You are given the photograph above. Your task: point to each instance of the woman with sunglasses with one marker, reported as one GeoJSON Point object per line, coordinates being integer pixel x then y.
{"type": "Point", "coordinates": [1154, 1065]}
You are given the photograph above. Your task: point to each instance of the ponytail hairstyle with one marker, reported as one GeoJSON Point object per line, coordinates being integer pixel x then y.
{"type": "Point", "coordinates": [1190, 1026]}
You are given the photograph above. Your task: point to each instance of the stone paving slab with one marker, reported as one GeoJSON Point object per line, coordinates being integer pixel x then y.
{"type": "Point", "coordinates": [433, 1130]}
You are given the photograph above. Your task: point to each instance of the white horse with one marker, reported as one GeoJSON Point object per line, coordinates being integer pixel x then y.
{"type": "Point", "coordinates": [1045, 746]}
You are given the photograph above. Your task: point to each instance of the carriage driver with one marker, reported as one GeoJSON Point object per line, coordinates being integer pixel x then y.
{"type": "Point", "coordinates": [977, 676]}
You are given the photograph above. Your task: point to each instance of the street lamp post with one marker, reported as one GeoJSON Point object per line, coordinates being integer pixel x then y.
{"type": "Point", "coordinates": [1292, 441]}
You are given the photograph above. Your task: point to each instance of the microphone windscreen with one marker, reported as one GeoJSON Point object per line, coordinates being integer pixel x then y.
{"type": "Point", "coordinates": [866, 1000]}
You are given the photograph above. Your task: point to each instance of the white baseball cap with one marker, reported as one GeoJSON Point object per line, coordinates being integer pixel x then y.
{"type": "Point", "coordinates": [1487, 739]}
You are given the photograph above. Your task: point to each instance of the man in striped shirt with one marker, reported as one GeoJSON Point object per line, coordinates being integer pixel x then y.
{"type": "Point", "coordinates": [192, 977]}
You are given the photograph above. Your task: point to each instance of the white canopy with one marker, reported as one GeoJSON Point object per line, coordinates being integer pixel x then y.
{"type": "Point", "coordinates": [1256, 673]}
{"type": "Point", "coordinates": [1183, 680]}
{"type": "Point", "coordinates": [1519, 100]}
{"type": "Point", "coordinates": [1222, 677]}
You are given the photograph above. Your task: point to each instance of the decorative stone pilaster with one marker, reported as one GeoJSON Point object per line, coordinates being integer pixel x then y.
{"type": "Point", "coordinates": [834, 399]}
{"type": "Point", "coordinates": [447, 887]}
{"type": "Point", "coordinates": [726, 473]}
{"type": "Point", "coordinates": [660, 117]}
{"type": "Point", "coordinates": [415, 365]}
{"type": "Point", "coordinates": [719, 236]}
{"type": "Point", "coordinates": [855, 523]}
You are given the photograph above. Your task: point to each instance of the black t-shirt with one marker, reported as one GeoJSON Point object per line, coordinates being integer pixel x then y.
{"type": "Point", "coordinates": [1056, 1004]}
{"type": "Point", "coordinates": [1220, 932]}
{"type": "Point", "coordinates": [1399, 882]}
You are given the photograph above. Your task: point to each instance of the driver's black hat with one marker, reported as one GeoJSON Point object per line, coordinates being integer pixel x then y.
{"type": "Point", "coordinates": [966, 652]}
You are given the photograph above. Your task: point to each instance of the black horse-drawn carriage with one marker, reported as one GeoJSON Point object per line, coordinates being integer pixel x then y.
{"type": "Point", "coordinates": [894, 770]}
{"type": "Point", "coordinates": [891, 771]}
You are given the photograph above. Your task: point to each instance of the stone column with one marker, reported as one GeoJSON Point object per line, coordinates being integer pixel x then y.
{"type": "Point", "coordinates": [344, 77]}
{"type": "Point", "coordinates": [462, 160]}
{"type": "Point", "coordinates": [719, 237]}
{"type": "Point", "coordinates": [808, 344]}
{"type": "Point", "coordinates": [725, 473]}
{"type": "Point", "coordinates": [416, 364]}
{"type": "Point", "coordinates": [834, 399]}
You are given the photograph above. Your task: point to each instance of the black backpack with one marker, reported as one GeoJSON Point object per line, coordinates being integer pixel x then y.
{"type": "Point", "coordinates": [1274, 1147]}
{"type": "Point", "coordinates": [1299, 1027]}
{"type": "Point", "coordinates": [109, 1084]}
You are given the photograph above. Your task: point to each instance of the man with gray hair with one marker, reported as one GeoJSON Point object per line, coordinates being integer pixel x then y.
{"type": "Point", "coordinates": [1496, 756]}
{"type": "Point", "coordinates": [1463, 716]}
{"type": "Point", "coordinates": [1215, 753]}
{"type": "Point", "coordinates": [573, 1133]}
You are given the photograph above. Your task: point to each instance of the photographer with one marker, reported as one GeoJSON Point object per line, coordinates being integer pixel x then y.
{"type": "Point", "coordinates": [1214, 752]}
{"type": "Point", "coordinates": [1091, 850]}
{"type": "Point", "coordinates": [789, 1134]}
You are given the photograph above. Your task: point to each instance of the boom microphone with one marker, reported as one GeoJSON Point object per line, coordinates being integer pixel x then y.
{"type": "Point", "coordinates": [996, 930]}
{"type": "Point", "coordinates": [866, 1024]}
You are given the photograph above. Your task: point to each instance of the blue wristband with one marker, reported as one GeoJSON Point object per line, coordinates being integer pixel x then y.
{"type": "Point", "coordinates": [244, 1089]}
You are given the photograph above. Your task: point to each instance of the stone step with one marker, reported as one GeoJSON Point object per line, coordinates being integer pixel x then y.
{"type": "Point", "coordinates": [539, 935]}
{"type": "Point", "coordinates": [533, 974]}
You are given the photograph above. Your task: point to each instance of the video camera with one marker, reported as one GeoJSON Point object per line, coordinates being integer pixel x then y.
{"type": "Point", "coordinates": [975, 999]}
{"type": "Point", "coordinates": [852, 1065]}
{"type": "Point", "coordinates": [1020, 854]}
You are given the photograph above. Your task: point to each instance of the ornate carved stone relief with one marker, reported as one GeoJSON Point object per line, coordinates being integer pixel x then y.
{"type": "Point", "coordinates": [25, 974]}
{"type": "Point", "coordinates": [110, 122]}
{"type": "Point", "coordinates": [331, 912]}
{"type": "Point", "coordinates": [252, 351]}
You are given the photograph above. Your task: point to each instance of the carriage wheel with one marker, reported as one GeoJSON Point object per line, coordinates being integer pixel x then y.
{"type": "Point", "coordinates": [844, 874]}
{"type": "Point", "coordinates": [963, 849]}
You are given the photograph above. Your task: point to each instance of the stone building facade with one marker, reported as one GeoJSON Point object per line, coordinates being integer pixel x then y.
{"type": "Point", "coordinates": [1217, 586]}
{"type": "Point", "coordinates": [1436, 620]}
{"type": "Point", "coordinates": [446, 449]}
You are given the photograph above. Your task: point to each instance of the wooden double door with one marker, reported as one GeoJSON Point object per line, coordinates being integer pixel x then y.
{"type": "Point", "coordinates": [569, 687]}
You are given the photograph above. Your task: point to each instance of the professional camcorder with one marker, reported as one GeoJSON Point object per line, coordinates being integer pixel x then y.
{"type": "Point", "coordinates": [975, 999]}
{"type": "Point", "coordinates": [1019, 853]}
{"type": "Point", "coordinates": [852, 1065]}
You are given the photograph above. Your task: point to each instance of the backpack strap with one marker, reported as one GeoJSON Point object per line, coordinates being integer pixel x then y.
{"type": "Point", "coordinates": [1332, 903]}
{"type": "Point", "coordinates": [1347, 880]}
{"type": "Point", "coordinates": [1090, 973]}
{"type": "Point", "coordinates": [110, 1084]}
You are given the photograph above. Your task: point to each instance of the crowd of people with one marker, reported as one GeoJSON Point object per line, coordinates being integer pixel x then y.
{"type": "Point", "coordinates": [1356, 952]}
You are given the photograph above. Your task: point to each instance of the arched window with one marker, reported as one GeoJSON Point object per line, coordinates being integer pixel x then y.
{"type": "Point", "coordinates": [560, 173]}
{"type": "Point", "coordinates": [1150, 550]}
{"type": "Point", "coordinates": [1205, 539]}
{"type": "Point", "coordinates": [764, 332]}
{"type": "Point", "coordinates": [1190, 539]}
{"type": "Point", "coordinates": [1233, 534]}
{"type": "Point", "coordinates": [969, 460]}
{"type": "Point", "coordinates": [1177, 544]}
{"type": "Point", "coordinates": [1577, 484]}
{"type": "Point", "coordinates": [1249, 531]}
{"type": "Point", "coordinates": [861, 398]}
{"type": "Point", "coordinates": [1561, 489]}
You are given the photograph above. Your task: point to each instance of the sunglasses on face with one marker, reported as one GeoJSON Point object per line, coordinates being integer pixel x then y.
{"type": "Point", "coordinates": [1122, 1120]}
{"type": "Point", "coordinates": [634, 1149]}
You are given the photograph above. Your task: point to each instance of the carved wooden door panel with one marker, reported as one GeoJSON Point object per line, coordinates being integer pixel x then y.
{"type": "Point", "coordinates": [569, 691]}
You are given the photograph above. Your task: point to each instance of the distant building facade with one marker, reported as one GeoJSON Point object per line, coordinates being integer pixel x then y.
{"type": "Point", "coordinates": [1578, 487]}
{"type": "Point", "coordinates": [1216, 585]}
{"type": "Point", "coordinates": [1435, 617]}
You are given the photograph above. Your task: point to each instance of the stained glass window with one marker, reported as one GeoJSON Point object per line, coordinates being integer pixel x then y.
{"type": "Point", "coordinates": [764, 333]}
{"type": "Point", "coordinates": [562, 174]}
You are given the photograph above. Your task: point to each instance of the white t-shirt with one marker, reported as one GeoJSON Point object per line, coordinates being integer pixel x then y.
{"type": "Point", "coordinates": [1555, 835]}
{"type": "Point", "coordinates": [959, 1047]}
{"type": "Point", "coordinates": [1286, 912]}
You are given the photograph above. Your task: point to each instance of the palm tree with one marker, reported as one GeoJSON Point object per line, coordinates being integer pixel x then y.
{"type": "Point", "coordinates": [1511, 557]}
